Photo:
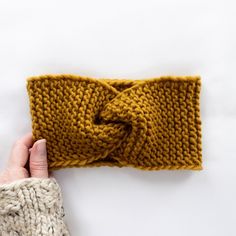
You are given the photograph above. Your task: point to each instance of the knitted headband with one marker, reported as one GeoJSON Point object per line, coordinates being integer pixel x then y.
{"type": "Point", "coordinates": [149, 124]}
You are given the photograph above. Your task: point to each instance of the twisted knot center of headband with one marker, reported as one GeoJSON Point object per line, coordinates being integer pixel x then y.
{"type": "Point", "coordinates": [148, 124]}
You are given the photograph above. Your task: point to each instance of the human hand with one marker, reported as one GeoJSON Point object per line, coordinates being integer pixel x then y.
{"type": "Point", "coordinates": [26, 160]}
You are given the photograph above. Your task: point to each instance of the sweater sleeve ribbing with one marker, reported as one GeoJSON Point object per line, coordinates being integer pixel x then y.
{"type": "Point", "coordinates": [32, 207]}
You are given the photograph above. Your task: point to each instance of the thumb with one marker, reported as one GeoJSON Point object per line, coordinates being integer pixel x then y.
{"type": "Point", "coordinates": [38, 164]}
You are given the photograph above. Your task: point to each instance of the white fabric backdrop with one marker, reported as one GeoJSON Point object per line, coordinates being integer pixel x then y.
{"type": "Point", "coordinates": [131, 39]}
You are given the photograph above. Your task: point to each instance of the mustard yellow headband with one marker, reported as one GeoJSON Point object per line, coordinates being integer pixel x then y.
{"type": "Point", "coordinates": [149, 124]}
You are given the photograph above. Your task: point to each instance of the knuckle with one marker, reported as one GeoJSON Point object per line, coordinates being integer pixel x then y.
{"type": "Point", "coordinates": [25, 173]}
{"type": "Point", "coordinates": [39, 165]}
{"type": "Point", "coordinates": [16, 143]}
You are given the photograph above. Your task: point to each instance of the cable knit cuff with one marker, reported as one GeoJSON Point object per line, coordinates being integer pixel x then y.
{"type": "Point", "coordinates": [32, 206]}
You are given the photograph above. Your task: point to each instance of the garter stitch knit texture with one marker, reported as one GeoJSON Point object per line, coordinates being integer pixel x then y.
{"type": "Point", "coordinates": [149, 124]}
{"type": "Point", "coordinates": [32, 207]}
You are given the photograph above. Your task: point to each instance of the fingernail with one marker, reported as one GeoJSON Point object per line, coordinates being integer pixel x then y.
{"type": "Point", "coordinates": [41, 147]}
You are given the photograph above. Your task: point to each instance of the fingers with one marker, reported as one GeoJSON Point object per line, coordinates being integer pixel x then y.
{"type": "Point", "coordinates": [19, 156]}
{"type": "Point", "coordinates": [20, 151]}
{"type": "Point", "coordinates": [38, 164]}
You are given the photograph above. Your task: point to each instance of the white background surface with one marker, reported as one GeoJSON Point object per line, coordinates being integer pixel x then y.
{"type": "Point", "coordinates": [131, 39]}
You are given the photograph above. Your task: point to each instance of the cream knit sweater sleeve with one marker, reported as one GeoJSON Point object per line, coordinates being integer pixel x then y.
{"type": "Point", "coordinates": [32, 207]}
